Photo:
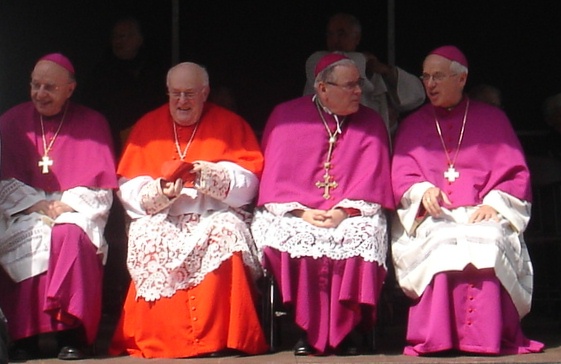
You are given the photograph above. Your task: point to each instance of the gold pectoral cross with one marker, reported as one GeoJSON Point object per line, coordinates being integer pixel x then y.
{"type": "Point", "coordinates": [45, 163]}
{"type": "Point", "coordinates": [451, 174]}
{"type": "Point", "coordinates": [326, 185]}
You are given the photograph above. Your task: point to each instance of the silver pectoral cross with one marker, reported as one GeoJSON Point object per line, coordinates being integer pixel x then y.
{"type": "Point", "coordinates": [451, 174]}
{"type": "Point", "coordinates": [45, 163]}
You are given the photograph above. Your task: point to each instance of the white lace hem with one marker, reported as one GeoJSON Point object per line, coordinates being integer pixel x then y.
{"type": "Point", "coordinates": [365, 236]}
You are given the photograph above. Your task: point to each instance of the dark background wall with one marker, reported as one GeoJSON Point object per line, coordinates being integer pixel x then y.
{"type": "Point", "coordinates": [258, 48]}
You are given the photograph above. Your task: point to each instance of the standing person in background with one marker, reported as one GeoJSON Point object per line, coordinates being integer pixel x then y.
{"type": "Point", "coordinates": [321, 216]}
{"type": "Point", "coordinates": [463, 192]}
{"type": "Point", "coordinates": [123, 86]}
{"type": "Point", "coordinates": [387, 89]}
{"type": "Point", "coordinates": [188, 173]}
{"type": "Point", "coordinates": [126, 83]}
{"type": "Point", "coordinates": [56, 189]}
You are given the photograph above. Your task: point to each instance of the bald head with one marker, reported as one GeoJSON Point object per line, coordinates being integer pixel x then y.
{"type": "Point", "coordinates": [188, 90]}
{"type": "Point", "coordinates": [189, 70]}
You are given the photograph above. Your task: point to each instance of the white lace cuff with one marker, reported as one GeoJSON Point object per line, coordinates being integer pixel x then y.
{"type": "Point", "coordinates": [213, 180]}
{"type": "Point", "coordinates": [152, 198]}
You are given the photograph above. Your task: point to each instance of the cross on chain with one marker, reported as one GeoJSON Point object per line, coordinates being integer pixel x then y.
{"type": "Point", "coordinates": [451, 174]}
{"type": "Point", "coordinates": [326, 185]}
{"type": "Point", "coordinates": [327, 182]}
{"type": "Point", "coordinates": [45, 163]}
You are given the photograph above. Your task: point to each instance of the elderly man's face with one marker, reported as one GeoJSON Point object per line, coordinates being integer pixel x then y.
{"type": "Point", "coordinates": [187, 95]}
{"type": "Point", "coordinates": [341, 94]}
{"type": "Point", "coordinates": [126, 40]}
{"type": "Point", "coordinates": [341, 36]}
{"type": "Point", "coordinates": [51, 86]}
{"type": "Point", "coordinates": [443, 87]}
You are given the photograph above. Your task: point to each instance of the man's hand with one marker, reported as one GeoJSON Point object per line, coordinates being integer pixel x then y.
{"type": "Point", "coordinates": [52, 209]}
{"type": "Point", "coordinates": [433, 198]}
{"type": "Point", "coordinates": [322, 218]}
{"type": "Point", "coordinates": [373, 65]}
{"type": "Point", "coordinates": [171, 189]}
{"type": "Point", "coordinates": [484, 213]}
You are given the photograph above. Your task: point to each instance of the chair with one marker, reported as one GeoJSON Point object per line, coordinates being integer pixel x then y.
{"type": "Point", "coordinates": [273, 312]}
{"type": "Point", "coordinates": [543, 234]}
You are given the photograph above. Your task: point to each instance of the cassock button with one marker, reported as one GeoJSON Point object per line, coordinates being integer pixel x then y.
{"type": "Point", "coordinates": [470, 310]}
{"type": "Point", "coordinates": [192, 298]}
{"type": "Point", "coordinates": [193, 308]}
{"type": "Point", "coordinates": [194, 319]}
{"type": "Point", "coordinates": [197, 341]}
{"type": "Point", "coordinates": [470, 298]}
{"type": "Point", "coordinates": [469, 323]}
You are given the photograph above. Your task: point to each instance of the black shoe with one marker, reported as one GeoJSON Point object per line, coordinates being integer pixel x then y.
{"type": "Point", "coordinates": [71, 353]}
{"type": "Point", "coordinates": [347, 347]}
{"type": "Point", "coordinates": [302, 348]}
{"type": "Point", "coordinates": [24, 350]}
{"type": "Point", "coordinates": [19, 355]}
{"type": "Point", "coordinates": [225, 352]}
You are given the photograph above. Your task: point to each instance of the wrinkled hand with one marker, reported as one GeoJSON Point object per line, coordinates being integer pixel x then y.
{"type": "Point", "coordinates": [373, 65]}
{"type": "Point", "coordinates": [322, 218]}
{"type": "Point", "coordinates": [52, 209]}
{"type": "Point", "coordinates": [171, 189]}
{"type": "Point", "coordinates": [484, 213]}
{"type": "Point", "coordinates": [433, 199]}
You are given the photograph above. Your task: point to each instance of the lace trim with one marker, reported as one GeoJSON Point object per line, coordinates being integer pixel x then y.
{"type": "Point", "coordinates": [168, 253]}
{"type": "Point", "coordinates": [365, 236]}
{"type": "Point", "coordinates": [213, 180]}
{"type": "Point", "coordinates": [152, 198]}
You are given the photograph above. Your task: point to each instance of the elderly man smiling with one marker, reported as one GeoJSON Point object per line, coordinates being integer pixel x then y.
{"type": "Point", "coordinates": [187, 173]}
{"type": "Point", "coordinates": [58, 174]}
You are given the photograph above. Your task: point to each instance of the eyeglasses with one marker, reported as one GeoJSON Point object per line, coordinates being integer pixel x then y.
{"type": "Point", "coordinates": [437, 77]}
{"type": "Point", "coordinates": [349, 86]}
{"type": "Point", "coordinates": [189, 95]}
{"type": "Point", "coordinates": [47, 87]}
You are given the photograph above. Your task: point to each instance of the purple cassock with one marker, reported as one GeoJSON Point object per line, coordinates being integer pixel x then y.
{"type": "Point", "coordinates": [464, 309]}
{"type": "Point", "coordinates": [329, 296]}
{"type": "Point", "coordinates": [68, 294]}
{"type": "Point", "coordinates": [490, 155]}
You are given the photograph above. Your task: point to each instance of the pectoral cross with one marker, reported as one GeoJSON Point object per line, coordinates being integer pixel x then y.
{"type": "Point", "coordinates": [45, 163]}
{"type": "Point", "coordinates": [451, 174]}
{"type": "Point", "coordinates": [326, 185]}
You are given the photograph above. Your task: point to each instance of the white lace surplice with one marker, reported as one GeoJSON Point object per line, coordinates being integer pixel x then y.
{"type": "Point", "coordinates": [364, 236]}
{"type": "Point", "coordinates": [25, 240]}
{"type": "Point", "coordinates": [171, 249]}
{"type": "Point", "coordinates": [450, 243]}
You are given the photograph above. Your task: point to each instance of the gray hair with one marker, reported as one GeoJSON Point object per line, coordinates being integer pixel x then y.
{"type": "Point", "coordinates": [198, 68]}
{"type": "Point", "coordinates": [325, 75]}
{"type": "Point", "coordinates": [458, 68]}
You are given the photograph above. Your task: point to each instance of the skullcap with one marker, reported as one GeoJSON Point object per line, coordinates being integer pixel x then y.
{"type": "Point", "coordinates": [327, 61]}
{"type": "Point", "coordinates": [59, 59]}
{"type": "Point", "coordinates": [452, 53]}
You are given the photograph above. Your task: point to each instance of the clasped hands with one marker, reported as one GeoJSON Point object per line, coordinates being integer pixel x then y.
{"type": "Point", "coordinates": [322, 218]}
{"type": "Point", "coordinates": [434, 198]}
{"type": "Point", "coordinates": [50, 208]}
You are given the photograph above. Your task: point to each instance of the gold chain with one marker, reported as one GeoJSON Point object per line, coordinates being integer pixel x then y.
{"type": "Point", "coordinates": [46, 148]}
{"type": "Point", "coordinates": [452, 162]}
